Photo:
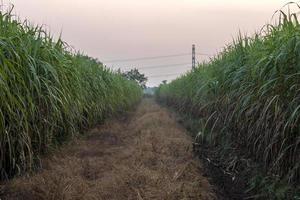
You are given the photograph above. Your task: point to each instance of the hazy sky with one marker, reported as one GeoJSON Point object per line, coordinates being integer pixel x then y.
{"type": "Point", "coordinates": [125, 29]}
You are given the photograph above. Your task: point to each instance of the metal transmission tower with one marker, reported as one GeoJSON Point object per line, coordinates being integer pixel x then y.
{"type": "Point", "coordinates": [193, 57]}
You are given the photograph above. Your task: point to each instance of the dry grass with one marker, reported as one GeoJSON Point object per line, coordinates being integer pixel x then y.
{"type": "Point", "coordinates": [146, 157]}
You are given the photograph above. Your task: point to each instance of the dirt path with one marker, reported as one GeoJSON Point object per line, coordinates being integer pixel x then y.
{"type": "Point", "coordinates": [147, 156]}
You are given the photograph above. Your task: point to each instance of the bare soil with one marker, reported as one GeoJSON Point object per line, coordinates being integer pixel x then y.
{"type": "Point", "coordinates": [148, 155]}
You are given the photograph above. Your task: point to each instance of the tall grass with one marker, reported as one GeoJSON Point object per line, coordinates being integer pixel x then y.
{"type": "Point", "coordinates": [49, 94]}
{"type": "Point", "coordinates": [250, 97]}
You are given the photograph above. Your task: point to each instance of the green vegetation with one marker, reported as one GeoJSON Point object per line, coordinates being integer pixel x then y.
{"type": "Point", "coordinates": [49, 94]}
{"type": "Point", "coordinates": [249, 98]}
{"type": "Point", "coordinates": [136, 76]}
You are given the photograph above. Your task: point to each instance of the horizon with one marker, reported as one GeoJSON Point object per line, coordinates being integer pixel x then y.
{"type": "Point", "coordinates": [133, 29]}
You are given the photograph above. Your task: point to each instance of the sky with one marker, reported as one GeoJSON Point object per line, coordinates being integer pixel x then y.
{"type": "Point", "coordinates": [122, 30]}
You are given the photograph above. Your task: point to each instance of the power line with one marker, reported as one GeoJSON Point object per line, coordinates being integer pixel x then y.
{"type": "Point", "coordinates": [165, 75]}
{"type": "Point", "coordinates": [159, 66]}
{"type": "Point", "coordinates": [146, 58]}
{"type": "Point", "coordinates": [153, 57]}
{"type": "Point", "coordinates": [203, 54]}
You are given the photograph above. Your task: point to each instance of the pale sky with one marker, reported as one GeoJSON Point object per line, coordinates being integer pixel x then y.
{"type": "Point", "coordinates": [126, 29]}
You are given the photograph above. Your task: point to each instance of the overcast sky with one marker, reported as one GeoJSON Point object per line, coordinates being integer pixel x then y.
{"type": "Point", "coordinates": [125, 29]}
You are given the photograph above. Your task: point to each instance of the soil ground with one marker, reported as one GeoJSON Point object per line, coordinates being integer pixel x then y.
{"type": "Point", "coordinates": [146, 155]}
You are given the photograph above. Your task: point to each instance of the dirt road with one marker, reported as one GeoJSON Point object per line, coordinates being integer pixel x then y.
{"type": "Point", "coordinates": [145, 156]}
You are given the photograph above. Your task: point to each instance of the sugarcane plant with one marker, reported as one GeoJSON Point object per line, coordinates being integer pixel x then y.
{"type": "Point", "coordinates": [249, 95]}
{"type": "Point", "coordinates": [49, 93]}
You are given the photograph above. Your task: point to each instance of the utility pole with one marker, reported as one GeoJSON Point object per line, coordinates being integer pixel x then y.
{"type": "Point", "coordinates": [193, 57]}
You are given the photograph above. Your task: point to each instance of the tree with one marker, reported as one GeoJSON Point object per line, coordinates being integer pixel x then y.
{"type": "Point", "coordinates": [135, 75]}
{"type": "Point", "coordinates": [164, 82]}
